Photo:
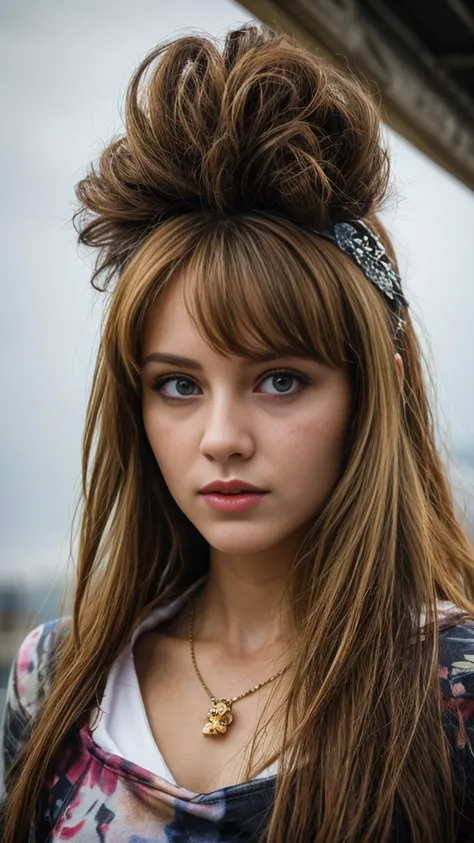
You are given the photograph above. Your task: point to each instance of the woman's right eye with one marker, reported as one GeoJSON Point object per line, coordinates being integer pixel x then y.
{"type": "Point", "coordinates": [183, 387]}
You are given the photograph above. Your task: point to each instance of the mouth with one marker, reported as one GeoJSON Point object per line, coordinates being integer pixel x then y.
{"type": "Point", "coordinates": [232, 487]}
{"type": "Point", "coordinates": [234, 494]}
{"type": "Point", "coordinates": [233, 501]}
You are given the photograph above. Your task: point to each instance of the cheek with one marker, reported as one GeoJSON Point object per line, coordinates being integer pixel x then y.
{"type": "Point", "coordinates": [162, 438]}
{"type": "Point", "coordinates": [174, 450]}
{"type": "Point", "coordinates": [314, 448]}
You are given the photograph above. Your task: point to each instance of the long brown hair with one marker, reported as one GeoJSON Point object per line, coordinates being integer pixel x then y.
{"type": "Point", "coordinates": [231, 158]}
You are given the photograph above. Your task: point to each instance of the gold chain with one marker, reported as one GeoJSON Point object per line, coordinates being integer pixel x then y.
{"type": "Point", "coordinates": [220, 716]}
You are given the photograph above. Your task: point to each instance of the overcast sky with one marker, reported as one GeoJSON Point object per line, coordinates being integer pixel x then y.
{"type": "Point", "coordinates": [64, 68]}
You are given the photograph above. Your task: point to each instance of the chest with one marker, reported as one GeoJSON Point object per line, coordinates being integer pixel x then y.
{"type": "Point", "coordinates": [177, 710]}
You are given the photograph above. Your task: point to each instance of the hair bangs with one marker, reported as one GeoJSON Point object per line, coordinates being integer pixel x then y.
{"type": "Point", "coordinates": [250, 290]}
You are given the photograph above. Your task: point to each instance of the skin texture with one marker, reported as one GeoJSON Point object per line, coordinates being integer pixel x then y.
{"type": "Point", "coordinates": [232, 421]}
{"type": "Point", "coordinates": [237, 424]}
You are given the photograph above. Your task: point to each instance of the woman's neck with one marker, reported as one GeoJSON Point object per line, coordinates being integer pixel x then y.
{"type": "Point", "coordinates": [245, 605]}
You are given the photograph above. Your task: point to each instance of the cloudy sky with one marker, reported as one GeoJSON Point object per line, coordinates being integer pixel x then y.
{"type": "Point", "coordinates": [64, 70]}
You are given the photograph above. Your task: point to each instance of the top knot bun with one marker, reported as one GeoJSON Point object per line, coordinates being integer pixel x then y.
{"type": "Point", "coordinates": [260, 125]}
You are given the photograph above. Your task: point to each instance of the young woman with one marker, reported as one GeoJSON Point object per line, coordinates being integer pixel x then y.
{"type": "Point", "coordinates": [272, 635]}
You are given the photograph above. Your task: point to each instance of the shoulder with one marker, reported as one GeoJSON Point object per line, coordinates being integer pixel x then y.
{"type": "Point", "coordinates": [456, 676]}
{"type": "Point", "coordinates": [29, 684]}
{"type": "Point", "coordinates": [33, 666]}
{"type": "Point", "coordinates": [456, 657]}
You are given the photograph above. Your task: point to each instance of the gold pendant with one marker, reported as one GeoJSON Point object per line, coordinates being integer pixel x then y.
{"type": "Point", "coordinates": [219, 717]}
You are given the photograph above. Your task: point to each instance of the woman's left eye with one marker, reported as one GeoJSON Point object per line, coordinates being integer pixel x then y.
{"type": "Point", "coordinates": [281, 381]}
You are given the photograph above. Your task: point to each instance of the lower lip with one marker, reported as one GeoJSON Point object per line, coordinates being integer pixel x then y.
{"type": "Point", "coordinates": [233, 503]}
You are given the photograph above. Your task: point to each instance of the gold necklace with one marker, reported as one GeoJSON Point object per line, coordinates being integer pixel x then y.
{"type": "Point", "coordinates": [219, 716]}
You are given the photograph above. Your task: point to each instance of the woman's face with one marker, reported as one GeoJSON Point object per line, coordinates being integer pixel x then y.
{"type": "Point", "coordinates": [279, 425]}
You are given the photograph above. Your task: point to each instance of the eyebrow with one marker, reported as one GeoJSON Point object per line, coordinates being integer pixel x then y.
{"type": "Point", "coordinates": [189, 363]}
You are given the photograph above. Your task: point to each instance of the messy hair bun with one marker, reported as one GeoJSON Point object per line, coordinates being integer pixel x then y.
{"type": "Point", "coordinates": [260, 125]}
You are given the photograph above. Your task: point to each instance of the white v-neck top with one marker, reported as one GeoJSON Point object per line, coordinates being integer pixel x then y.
{"type": "Point", "coordinates": [123, 728]}
{"type": "Point", "coordinates": [122, 725]}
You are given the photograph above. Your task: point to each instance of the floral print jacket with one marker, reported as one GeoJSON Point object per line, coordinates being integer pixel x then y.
{"type": "Point", "coordinates": [96, 797]}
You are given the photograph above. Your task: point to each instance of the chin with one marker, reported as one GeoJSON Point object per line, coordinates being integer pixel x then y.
{"type": "Point", "coordinates": [240, 539]}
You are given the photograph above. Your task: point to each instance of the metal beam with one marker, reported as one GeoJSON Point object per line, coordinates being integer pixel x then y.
{"type": "Point", "coordinates": [464, 13]}
{"type": "Point", "coordinates": [457, 61]}
{"type": "Point", "coordinates": [418, 55]}
{"type": "Point", "coordinates": [415, 102]}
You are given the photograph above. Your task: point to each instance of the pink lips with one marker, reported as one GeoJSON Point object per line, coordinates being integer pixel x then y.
{"type": "Point", "coordinates": [233, 503]}
{"type": "Point", "coordinates": [232, 495]}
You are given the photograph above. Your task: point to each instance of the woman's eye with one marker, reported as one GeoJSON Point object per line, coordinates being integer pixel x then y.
{"type": "Point", "coordinates": [178, 388]}
{"type": "Point", "coordinates": [281, 381]}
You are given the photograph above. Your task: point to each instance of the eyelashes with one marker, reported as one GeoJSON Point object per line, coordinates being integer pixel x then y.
{"type": "Point", "coordinates": [161, 382]}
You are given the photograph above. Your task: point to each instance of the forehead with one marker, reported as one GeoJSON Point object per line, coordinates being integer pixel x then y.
{"type": "Point", "coordinates": [168, 315]}
{"type": "Point", "coordinates": [170, 330]}
{"type": "Point", "coordinates": [170, 326]}
{"type": "Point", "coordinates": [242, 314]}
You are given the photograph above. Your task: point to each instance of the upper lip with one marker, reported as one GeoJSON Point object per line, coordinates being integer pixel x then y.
{"type": "Point", "coordinates": [229, 486]}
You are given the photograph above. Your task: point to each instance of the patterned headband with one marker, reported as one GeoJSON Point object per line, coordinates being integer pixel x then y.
{"type": "Point", "coordinates": [367, 250]}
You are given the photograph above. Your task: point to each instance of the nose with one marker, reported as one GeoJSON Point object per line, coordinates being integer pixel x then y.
{"type": "Point", "coordinates": [227, 431]}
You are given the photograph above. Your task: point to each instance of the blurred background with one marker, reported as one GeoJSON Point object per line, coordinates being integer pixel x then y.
{"type": "Point", "coordinates": [64, 70]}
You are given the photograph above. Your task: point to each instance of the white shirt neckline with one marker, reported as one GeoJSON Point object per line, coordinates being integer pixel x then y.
{"type": "Point", "coordinates": [122, 726]}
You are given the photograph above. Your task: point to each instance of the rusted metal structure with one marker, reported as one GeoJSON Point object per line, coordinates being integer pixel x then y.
{"type": "Point", "coordinates": [417, 54]}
